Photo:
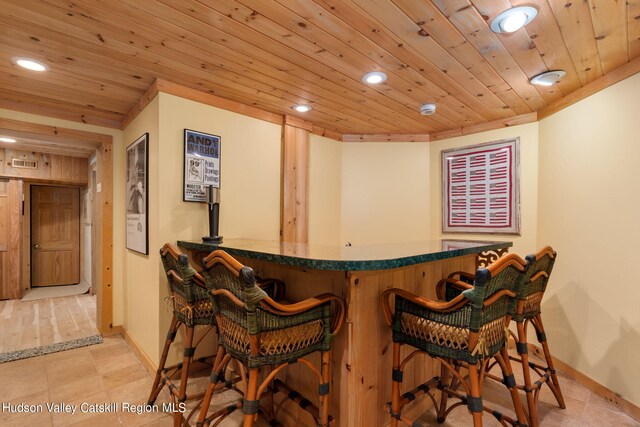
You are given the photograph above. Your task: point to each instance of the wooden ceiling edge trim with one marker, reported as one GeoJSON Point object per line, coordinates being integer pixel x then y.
{"type": "Point", "coordinates": [60, 114]}
{"type": "Point", "coordinates": [142, 103]}
{"type": "Point", "coordinates": [298, 122]}
{"type": "Point", "coordinates": [54, 133]}
{"type": "Point", "coordinates": [483, 127]}
{"type": "Point", "coordinates": [627, 70]}
{"type": "Point", "coordinates": [217, 101]}
{"type": "Point", "coordinates": [327, 133]}
{"type": "Point", "coordinates": [387, 137]}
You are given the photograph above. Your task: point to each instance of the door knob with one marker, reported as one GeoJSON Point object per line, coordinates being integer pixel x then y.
{"type": "Point", "coordinates": [36, 246]}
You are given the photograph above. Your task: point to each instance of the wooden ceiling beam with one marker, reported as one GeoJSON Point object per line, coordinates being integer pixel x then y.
{"type": "Point", "coordinates": [398, 137]}
{"type": "Point", "coordinates": [496, 124]}
{"type": "Point", "coordinates": [69, 137]}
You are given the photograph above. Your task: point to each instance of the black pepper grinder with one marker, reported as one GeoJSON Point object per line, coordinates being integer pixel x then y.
{"type": "Point", "coordinates": [213, 199]}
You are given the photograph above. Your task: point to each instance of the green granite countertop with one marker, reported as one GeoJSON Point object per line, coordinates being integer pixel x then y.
{"type": "Point", "coordinates": [347, 258]}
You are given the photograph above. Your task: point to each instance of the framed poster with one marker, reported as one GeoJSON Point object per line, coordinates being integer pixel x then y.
{"type": "Point", "coordinates": [137, 190]}
{"type": "Point", "coordinates": [481, 188]}
{"type": "Point", "coordinates": [201, 165]}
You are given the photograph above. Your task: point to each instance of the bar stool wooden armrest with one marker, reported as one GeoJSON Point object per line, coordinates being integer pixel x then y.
{"type": "Point", "coordinates": [299, 307]}
{"type": "Point", "coordinates": [449, 288]}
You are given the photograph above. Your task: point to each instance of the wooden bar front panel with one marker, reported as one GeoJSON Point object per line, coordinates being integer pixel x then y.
{"type": "Point", "coordinates": [362, 351]}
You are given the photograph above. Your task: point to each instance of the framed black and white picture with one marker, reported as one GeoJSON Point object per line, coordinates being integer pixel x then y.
{"type": "Point", "coordinates": [201, 165]}
{"type": "Point", "coordinates": [137, 202]}
{"type": "Point", "coordinates": [481, 188]}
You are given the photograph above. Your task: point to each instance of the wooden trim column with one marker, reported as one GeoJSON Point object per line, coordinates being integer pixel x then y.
{"type": "Point", "coordinates": [294, 209]}
{"type": "Point", "coordinates": [104, 316]}
{"type": "Point", "coordinates": [12, 282]}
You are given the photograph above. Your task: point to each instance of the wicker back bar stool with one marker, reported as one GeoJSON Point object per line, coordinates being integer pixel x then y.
{"type": "Point", "coordinates": [466, 332]}
{"type": "Point", "coordinates": [528, 311]}
{"type": "Point", "coordinates": [192, 307]}
{"type": "Point", "coordinates": [265, 336]}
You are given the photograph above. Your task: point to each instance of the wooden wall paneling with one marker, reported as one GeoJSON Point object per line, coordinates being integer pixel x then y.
{"type": "Point", "coordinates": [610, 27]}
{"type": "Point", "coordinates": [5, 292]}
{"type": "Point", "coordinates": [2, 162]}
{"type": "Point", "coordinates": [14, 245]}
{"type": "Point", "coordinates": [574, 20]}
{"type": "Point", "coordinates": [4, 219]}
{"type": "Point", "coordinates": [294, 212]}
{"type": "Point", "coordinates": [50, 167]}
{"type": "Point", "coordinates": [26, 237]}
{"type": "Point", "coordinates": [633, 25]}
{"type": "Point", "coordinates": [472, 25]}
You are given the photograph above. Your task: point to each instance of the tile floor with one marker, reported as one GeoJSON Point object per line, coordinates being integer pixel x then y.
{"type": "Point", "coordinates": [110, 372]}
{"type": "Point", "coordinates": [28, 324]}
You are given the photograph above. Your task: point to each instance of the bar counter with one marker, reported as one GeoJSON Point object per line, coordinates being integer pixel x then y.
{"type": "Point", "coordinates": [361, 356]}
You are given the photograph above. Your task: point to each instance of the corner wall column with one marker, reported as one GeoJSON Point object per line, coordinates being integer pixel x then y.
{"type": "Point", "coordinates": [294, 210]}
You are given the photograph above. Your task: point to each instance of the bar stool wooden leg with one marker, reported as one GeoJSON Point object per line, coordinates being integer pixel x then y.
{"type": "Point", "coordinates": [444, 379]}
{"type": "Point", "coordinates": [474, 401]}
{"type": "Point", "coordinates": [186, 364]}
{"type": "Point", "coordinates": [523, 352]}
{"type": "Point", "coordinates": [325, 372]}
{"type": "Point", "coordinates": [396, 385]}
{"type": "Point", "coordinates": [158, 383]}
{"type": "Point", "coordinates": [542, 338]}
{"type": "Point", "coordinates": [510, 382]}
{"type": "Point", "coordinates": [251, 405]}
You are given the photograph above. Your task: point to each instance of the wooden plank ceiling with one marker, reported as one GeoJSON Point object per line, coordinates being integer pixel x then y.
{"type": "Point", "coordinates": [104, 54]}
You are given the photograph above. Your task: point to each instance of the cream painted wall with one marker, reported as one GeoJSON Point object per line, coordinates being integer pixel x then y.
{"type": "Point", "coordinates": [527, 241]}
{"type": "Point", "coordinates": [589, 192]}
{"type": "Point", "coordinates": [250, 172]}
{"type": "Point", "coordinates": [118, 195]}
{"type": "Point", "coordinates": [385, 192]}
{"type": "Point", "coordinates": [141, 273]}
{"type": "Point", "coordinates": [325, 190]}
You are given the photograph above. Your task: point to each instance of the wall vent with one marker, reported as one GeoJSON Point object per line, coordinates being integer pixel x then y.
{"type": "Point", "coordinates": [24, 164]}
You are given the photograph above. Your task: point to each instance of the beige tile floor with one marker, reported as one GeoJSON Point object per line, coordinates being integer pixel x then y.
{"type": "Point", "coordinates": [110, 372]}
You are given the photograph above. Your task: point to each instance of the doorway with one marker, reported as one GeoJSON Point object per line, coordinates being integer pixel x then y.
{"type": "Point", "coordinates": [51, 141]}
{"type": "Point", "coordinates": [55, 235]}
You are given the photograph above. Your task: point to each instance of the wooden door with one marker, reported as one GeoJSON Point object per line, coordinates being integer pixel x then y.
{"type": "Point", "coordinates": [55, 235]}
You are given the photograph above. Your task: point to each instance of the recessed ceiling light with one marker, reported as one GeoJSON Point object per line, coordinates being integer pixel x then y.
{"type": "Point", "coordinates": [513, 19]}
{"type": "Point", "coordinates": [548, 78]}
{"type": "Point", "coordinates": [374, 77]}
{"type": "Point", "coordinates": [427, 109]}
{"type": "Point", "coordinates": [5, 139]}
{"type": "Point", "coordinates": [302, 108]}
{"type": "Point", "coordinates": [30, 64]}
